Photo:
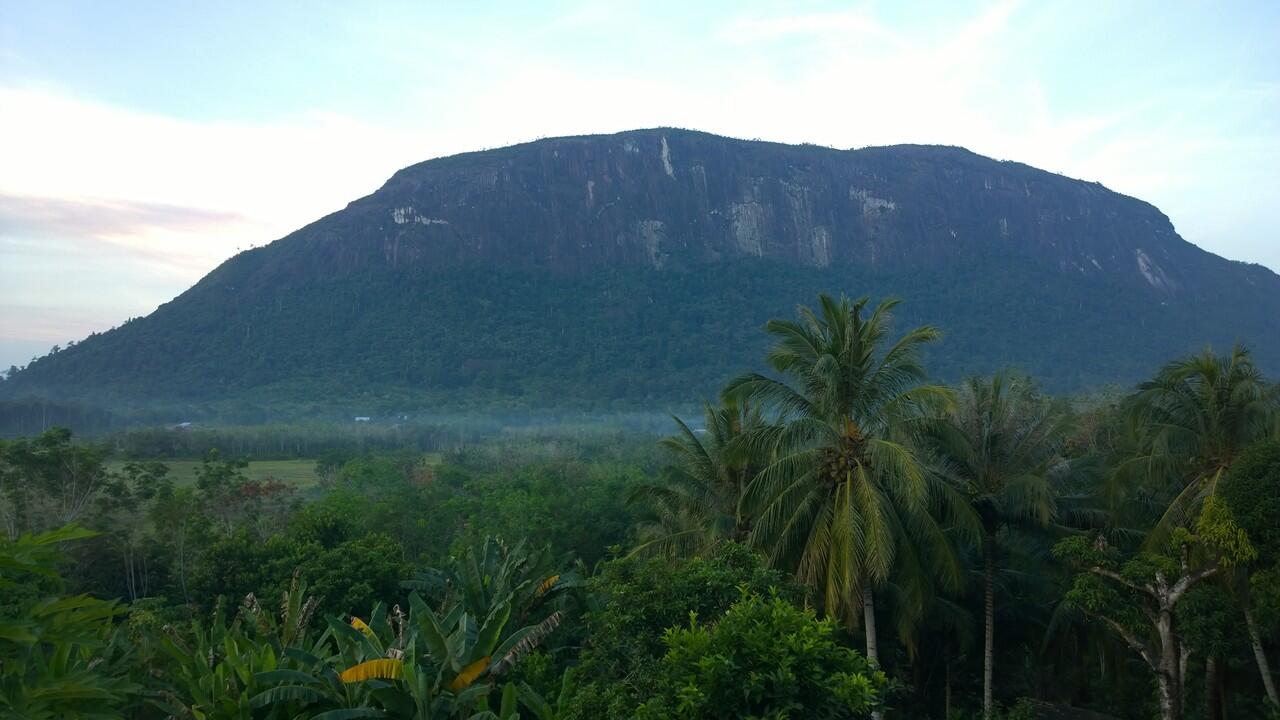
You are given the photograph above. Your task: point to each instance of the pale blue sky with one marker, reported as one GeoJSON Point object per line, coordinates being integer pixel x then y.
{"type": "Point", "coordinates": [141, 143]}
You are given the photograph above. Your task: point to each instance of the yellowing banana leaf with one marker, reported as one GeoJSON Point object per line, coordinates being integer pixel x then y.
{"type": "Point", "coordinates": [380, 669]}
{"type": "Point", "coordinates": [469, 674]}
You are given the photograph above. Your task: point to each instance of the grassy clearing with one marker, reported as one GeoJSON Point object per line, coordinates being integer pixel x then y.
{"type": "Point", "coordinates": [298, 473]}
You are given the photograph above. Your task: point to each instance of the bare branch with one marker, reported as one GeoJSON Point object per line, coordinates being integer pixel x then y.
{"type": "Point", "coordinates": [1133, 641]}
{"type": "Point", "coordinates": [1113, 575]}
{"type": "Point", "coordinates": [1187, 581]}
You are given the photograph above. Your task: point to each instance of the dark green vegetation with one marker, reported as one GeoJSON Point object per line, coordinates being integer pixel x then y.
{"type": "Point", "coordinates": [842, 537]}
{"type": "Point", "coordinates": [634, 270]}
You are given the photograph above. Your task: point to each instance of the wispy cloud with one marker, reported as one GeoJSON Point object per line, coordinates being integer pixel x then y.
{"type": "Point", "coordinates": [44, 325]}
{"type": "Point", "coordinates": [46, 217]}
{"type": "Point", "coordinates": [149, 232]}
{"type": "Point", "coordinates": [62, 146]}
{"type": "Point", "coordinates": [842, 24]}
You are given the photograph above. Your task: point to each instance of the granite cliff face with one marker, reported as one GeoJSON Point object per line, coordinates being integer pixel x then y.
{"type": "Point", "coordinates": [455, 261]}
{"type": "Point", "coordinates": [658, 198]}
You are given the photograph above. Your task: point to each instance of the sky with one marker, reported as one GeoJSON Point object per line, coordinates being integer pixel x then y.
{"type": "Point", "coordinates": [143, 143]}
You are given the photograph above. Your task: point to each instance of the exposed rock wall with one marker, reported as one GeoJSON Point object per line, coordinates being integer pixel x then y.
{"type": "Point", "coordinates": [667, 198]}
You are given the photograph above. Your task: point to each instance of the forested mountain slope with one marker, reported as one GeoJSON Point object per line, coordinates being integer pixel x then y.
{"type": "Point", "coordinates": [635, 269]}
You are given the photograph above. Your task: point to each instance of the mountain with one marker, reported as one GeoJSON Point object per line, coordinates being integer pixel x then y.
{"type": "Point", "coordinates": [635, 270]}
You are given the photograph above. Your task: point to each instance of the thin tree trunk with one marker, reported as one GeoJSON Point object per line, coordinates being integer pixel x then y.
{"type": "Point", "coordinates": [947, 693]}
{"type": "Point", "coordinates": [1224, 672]}
{"type": "Point", "coordinates": [1212, 707]}
{"type": "Point", "coordinates": [130, 581]}
{"type": "Point", "coordinates": [1260, 655]}
{"type": "Point", "coordinates": [869, 627]}
{"type": "Point", "coordinates": [182, 560]}
{"type": "Point", "coordinates": [1184, 655]}
{"type": "Point", "coordinates": [989, 632]}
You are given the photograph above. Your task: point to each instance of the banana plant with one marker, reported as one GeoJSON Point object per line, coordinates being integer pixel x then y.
{"type": "Point", "coordinates": [424, 665]}
{"type": "Point", "coordinates": [213, 670]}
{"type": "Point", "coordinates": [543, 708]}
{"type": "Point", "coordinates": [339, 677]}
{"type": "Point", "coordinates": [61, 656]}
{"type": "Point", "coordinates": [493, 572]}
{"type": "Point", "coordinates": [220, 670]}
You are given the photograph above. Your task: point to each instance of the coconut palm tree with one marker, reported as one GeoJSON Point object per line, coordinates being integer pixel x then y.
{"type": "Point", "coordinates": [1001, 442]}
{"type": "Point", "coordinates": [696, 505]}
{"type": "Point", "coordinates": [1190, 423]}
{"type": "Point", "coordinates": [842, 486]}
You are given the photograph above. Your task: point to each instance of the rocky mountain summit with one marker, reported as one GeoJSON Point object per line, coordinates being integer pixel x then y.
{"type": "Point", "coordinates": [656, 198]}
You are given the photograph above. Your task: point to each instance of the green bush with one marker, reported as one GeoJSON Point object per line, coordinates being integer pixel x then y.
{"type": "Point", "coordinates": [1252, 491]}
{"type": "Point", "coordinates": [635, 601]}
{"type": "Point", "coordinates": [61, 656]}
{"type": "Point", "coordinates": [763, 659]}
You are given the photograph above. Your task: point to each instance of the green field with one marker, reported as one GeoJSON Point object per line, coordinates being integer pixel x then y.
{"type": "Point", "coordinates": [298, 473]}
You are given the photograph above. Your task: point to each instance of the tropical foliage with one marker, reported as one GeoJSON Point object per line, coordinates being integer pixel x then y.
{"type": "Point", "coordinates": [60, 655]}
{"type": "Point", "coordinates": [841, 537]}
{"type": "Point", "coordinates": [698, 502]}
{"type": "Point", "coordinates": [763, 656]}
{"type": "Point", "coordinates": [844, 497]}
{"type": "Point", "coordinates": [1001, 442]}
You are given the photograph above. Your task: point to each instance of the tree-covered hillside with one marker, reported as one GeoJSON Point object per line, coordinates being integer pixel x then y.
{"type": "Point", "coordinates": [634, 271]}
{"type": "Point", "coordinates": [631, 337]}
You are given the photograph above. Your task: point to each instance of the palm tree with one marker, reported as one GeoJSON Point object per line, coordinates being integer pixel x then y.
{"type": "Point", "coordinates": [697, 504]}
{"type": "Point", "coordinates": [1000, 442]}
{"type": "Point", "coordinates": [842, 486]}
{"type": "Point", "coordinates": [1190, 422]}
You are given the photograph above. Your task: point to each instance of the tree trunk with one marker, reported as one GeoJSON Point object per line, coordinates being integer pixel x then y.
{"type": "Point", "coordinates": [1212, 707]}
{"type": "Point", "coordinates": [1168, 669]}
{"type": "Point", "coordinates": [1169, 704]}
{"type": "Point", "coordinates": [1183, 656]}
{"type": "Point", "coordinates": [1167, 659]}
{"type": "Point", "coordinates": [989, 632]}
{"type": "Point", "coordinates": [129, 581]}
{"type": "Point", "coordinates": [869, 627]}
{"type": "Point", "coordinates": [946, 693]}
{"type": "Point", "coordinates": [1260, 655]}
{"type": "Point", "coordinates": [182, 560]}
